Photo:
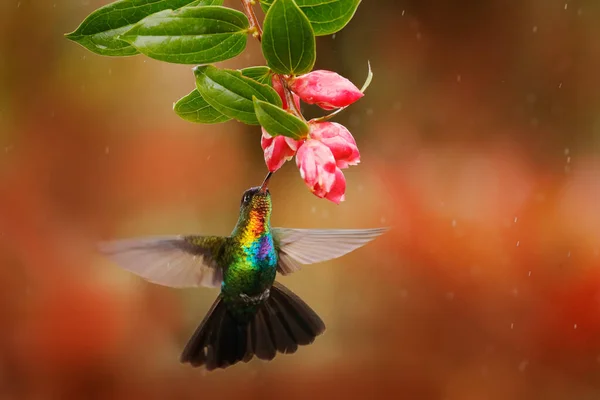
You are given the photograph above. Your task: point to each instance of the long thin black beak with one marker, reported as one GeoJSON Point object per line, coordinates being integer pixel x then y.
{"type": "Point", "coordinates": [265, 184]}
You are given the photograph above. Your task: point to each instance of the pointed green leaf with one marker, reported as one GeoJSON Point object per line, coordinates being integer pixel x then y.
{"type": "Point", "coordinates": [279, 122]}
{"type": "Point", "coordinates": [326, 17]}
{"type": "Point", "coordinates": [259, 74]}
{"type": "Point", "coordinates": [99, 31]}
{"type": "Point", "coordinates": [194, 108]}
{"type": "Point", "coordinates": [231, 93]}
{"type": "Point", "coordinates": [191, 35]}
{"type": "Point", "coordinates": [288, 41]}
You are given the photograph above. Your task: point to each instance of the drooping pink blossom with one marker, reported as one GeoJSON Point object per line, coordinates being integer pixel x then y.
{"type": "Point", "coordinates": [326, 89]}
{"type": "Point", "coordinates": [278, 149]}
{"type": "Point", "coordinates": [317, 167]}
{"type": "Point", "coordinates": [337, 193]}
{"type": "Point", "coordinates": [339, 140]}
{"type": "Point", "coordinates": [279, 89]}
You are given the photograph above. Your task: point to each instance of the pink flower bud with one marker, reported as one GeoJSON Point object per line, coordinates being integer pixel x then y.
{"type": "Point", "coordinates": [317, 167]}
{"type": "Point", "coordinates": [279, 89]}
{"type": "Point", "coordinates": [326, 89]}
{"type": "Point", "coordinates": [278, 149]}
{"type": "Point", "coordinates": [337, 194]}
{"type": "Point", "coordinates": [339, 140]}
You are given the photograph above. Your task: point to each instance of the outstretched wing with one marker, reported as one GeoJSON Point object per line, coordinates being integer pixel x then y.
{"type": "Point", "coordinates": [309, 246]}
{"type": "Point", "coordinates": [175, 261]}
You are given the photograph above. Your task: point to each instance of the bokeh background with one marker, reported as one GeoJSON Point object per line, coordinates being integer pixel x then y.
{"type": "Point", "coordinates": [480, 141]}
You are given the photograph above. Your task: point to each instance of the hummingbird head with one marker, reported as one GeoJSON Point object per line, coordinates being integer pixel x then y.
{"type": "Point", "coordinates": [256, 199]}
{"type": "Point", "coordinates": [255, 211]}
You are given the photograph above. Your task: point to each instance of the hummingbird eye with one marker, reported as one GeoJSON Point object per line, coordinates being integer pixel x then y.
{"type": "Point", "coordinates": [246, 198]}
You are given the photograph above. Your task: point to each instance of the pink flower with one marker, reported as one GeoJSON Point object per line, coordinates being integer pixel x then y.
{"type": "Point", "coordinates": [278, 149]}
{"type": "Point", "coordinates": [326, 89]}
{"type": "Point", "coordinates": [337, 193]}
{"type": "Point", "coordinates": [339, 140]}
{"type": "Point", "coordinates": [317, 167]}
{"type": "Point", "coordinates": [279, 89]}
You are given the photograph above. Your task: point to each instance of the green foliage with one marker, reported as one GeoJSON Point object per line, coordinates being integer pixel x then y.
{"type": "Point", "coordinates": [326, 17]}
{"type": "Point", "coordinates": [190, 35]}
{"type": "Point", "coordinates": [194, 108]}
{"type": "Point", "coordinates": [259, 74]}
{"type": "Point", "coordinates": [231, 93]}
{"type": "Point", "coordinates": [100, 30]}
{"type": "Point", "coordinates": [204, 32]}
{"type": "Point", "coordinates": [288, 42]}
{"type": "Point", "coordinates": [277, 121]}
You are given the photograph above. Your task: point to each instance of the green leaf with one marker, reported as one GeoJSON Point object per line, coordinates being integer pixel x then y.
{"type": "Point", "coordinates": [231, 93]}
{"type": "Point", "coordinates": [326, 17]}
{"type": "Point", "coordinates": [288, 41]}
{"type": "Point", "coordinates": [191, 35]}
{"type": "Point", "coordinates": [259, 74]}
{"type": "Point", "coordinates": [279, 122]}
{"type": "Point", "coordinates": [194, 108]}
{"type": "Point", "coordinates": [99, 31]}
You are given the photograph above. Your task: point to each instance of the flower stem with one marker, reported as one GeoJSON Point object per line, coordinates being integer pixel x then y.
{"type": "Point", "coordinates": [257, 33]}
{"type": "Point", "coordinates": [254, 24]}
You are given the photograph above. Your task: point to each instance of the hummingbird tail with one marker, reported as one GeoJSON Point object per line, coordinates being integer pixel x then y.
{"type": "Point", "coordinates": [281, 324]}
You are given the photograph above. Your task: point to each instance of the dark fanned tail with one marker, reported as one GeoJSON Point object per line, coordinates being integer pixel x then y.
{"type": "Point", "coordinates": [282, 323]}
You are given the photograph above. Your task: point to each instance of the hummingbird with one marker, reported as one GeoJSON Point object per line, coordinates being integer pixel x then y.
{"type": "Point", "coordinates": [254, 315]}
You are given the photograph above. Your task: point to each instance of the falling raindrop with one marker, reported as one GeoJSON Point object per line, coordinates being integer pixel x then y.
{"type": "Point", "coordinates": [523, 364]}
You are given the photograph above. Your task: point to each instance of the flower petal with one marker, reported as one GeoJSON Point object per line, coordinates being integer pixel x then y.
{"type": "Point", "coordinates": [337, 193]}
{"type": "Point", "coordinates": [326, 89]}
{"type": "Point", "coordinates": [339, 140]}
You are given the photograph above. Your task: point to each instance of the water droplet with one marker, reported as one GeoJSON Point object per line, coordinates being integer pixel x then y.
{"type": "Point", "coordinates": [575, 326]}
{"type": "Point", "coordinates": [516, 219]}
{"type": "Point", "coordinates": [535, 29]}
{"type": "Point", "coordinates": [518, 243]}
{"type": "Point", "coordinates": [512, 325]}
{"type": "Point", "coordinates": [106, 150]}
{"type": "Point", "coordinates": [454, 223]}
{"type": "Point", "coordinates": [523, 364]}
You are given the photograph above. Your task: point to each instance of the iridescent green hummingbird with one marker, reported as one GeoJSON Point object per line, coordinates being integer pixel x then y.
{"type": "Point", "coordinates": [253, 315]}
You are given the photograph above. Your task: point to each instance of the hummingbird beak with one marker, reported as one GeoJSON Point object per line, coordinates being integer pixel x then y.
{"type": "Point", "coordinates": [265, 184]}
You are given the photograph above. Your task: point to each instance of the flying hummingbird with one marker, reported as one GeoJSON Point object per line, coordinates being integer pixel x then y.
{"type": "Point", "coordinates": [253, 315]}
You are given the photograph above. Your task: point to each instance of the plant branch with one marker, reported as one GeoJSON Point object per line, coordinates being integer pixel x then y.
{"type": "Point", "coordinates": [289, 98]}
{"type": "Point", "coordinates": [257, 33]}
{"type": "Point", "coordinates": [254, 24]}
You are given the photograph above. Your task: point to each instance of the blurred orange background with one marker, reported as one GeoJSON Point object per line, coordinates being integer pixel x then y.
{"type": "Point", "coordinates": [480, 142]}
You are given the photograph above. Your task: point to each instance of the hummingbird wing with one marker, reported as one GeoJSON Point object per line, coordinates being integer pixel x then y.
{"type": "Point", "coordinates": [310, 246]}
{"type": "Point", "coordinates": [175, 261]}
